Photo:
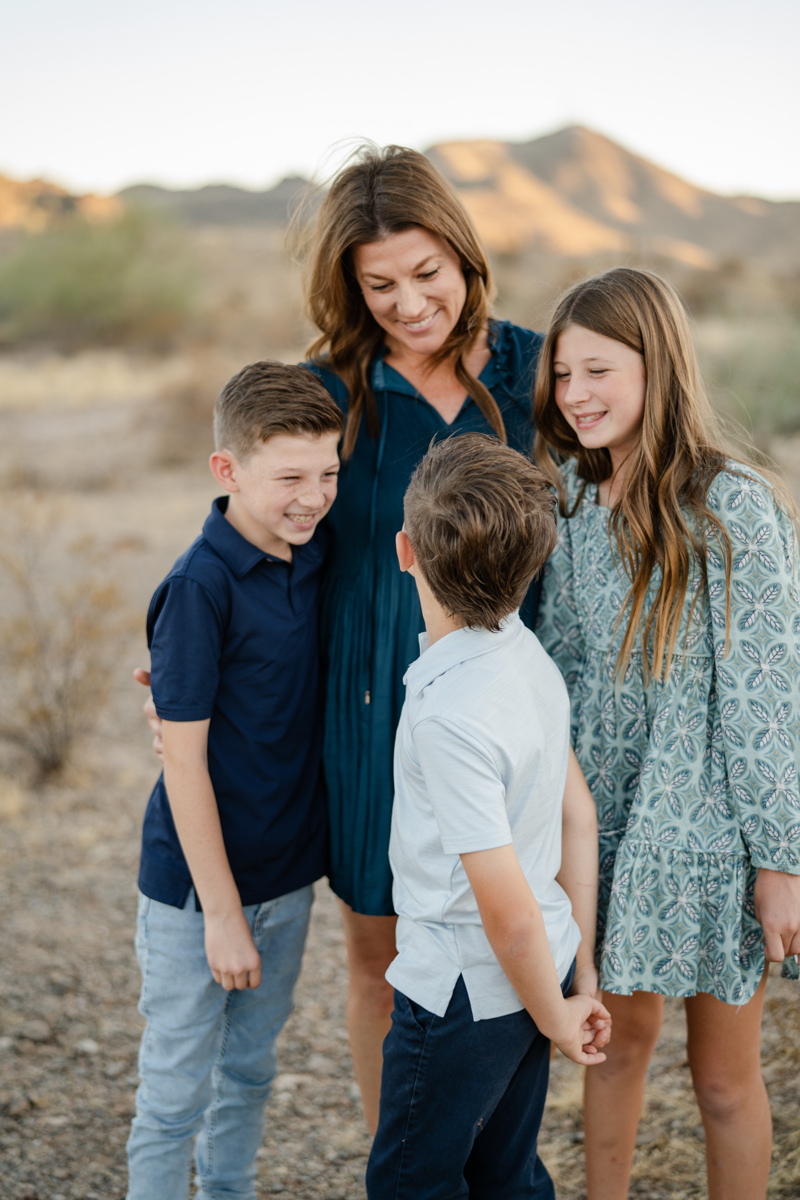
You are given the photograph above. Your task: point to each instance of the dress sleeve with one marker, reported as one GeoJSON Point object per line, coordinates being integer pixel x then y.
{"type": "Point", "coordinates": [757, 679]}
{"type": "Point", "coordinates": [558, 623]}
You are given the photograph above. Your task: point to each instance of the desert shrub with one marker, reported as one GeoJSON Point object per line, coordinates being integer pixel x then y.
{"type": "Point", "coordinates": [60, 630]}
{"type": "Point", "coordinates": [753, 371]}
{"type": "Point", "coordinates": [128, 280]}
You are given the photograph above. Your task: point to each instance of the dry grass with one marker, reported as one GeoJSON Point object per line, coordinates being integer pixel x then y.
{"type": "Point", "coordinates": [58, 641]}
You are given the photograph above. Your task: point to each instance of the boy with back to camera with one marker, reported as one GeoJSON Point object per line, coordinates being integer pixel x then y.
{"type": "Point", "coordinates": [235, 831]}
{"type": "Point", "coordinates": [486, 938]}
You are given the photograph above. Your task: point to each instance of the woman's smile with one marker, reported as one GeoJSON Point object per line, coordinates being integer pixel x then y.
{"type": "Point", "coordinates": [421, 326]}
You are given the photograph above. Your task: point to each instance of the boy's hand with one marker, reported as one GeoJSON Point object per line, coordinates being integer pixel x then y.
{"type": "Point", "coordinates": [586, 981]}
{"type": "Point", "coordinates": [586, 1027]}
{"type": "Point", "coordinates": [231, 951]}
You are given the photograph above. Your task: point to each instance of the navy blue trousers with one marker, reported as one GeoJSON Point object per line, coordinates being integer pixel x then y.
{"type": "Point", "coordinates": [461, 1106]}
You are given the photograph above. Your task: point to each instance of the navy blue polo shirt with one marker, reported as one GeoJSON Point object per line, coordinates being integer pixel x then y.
{"type": "Point", "coordinates": [232, 633]}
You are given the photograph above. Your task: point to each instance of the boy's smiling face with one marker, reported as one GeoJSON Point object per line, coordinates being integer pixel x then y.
{"type": "Point", "coordinates": [281, 490]}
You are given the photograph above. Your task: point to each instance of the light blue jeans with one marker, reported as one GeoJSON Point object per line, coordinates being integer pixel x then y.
{"type": "Point", "coordinates": [207, 1056]}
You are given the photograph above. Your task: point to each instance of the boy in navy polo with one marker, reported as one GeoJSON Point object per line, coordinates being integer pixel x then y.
{"type": "Point", "coordinates": [235, 831]}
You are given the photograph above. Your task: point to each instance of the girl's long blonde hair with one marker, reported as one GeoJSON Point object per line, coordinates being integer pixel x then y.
{"type": "Point", "coordinates": [661, 517]}
{"type": "Point", "coordinates": [378, 193]}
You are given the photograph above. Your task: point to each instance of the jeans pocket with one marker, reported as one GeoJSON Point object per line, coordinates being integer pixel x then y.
{"type": "Point", "coordinates": [421, 1017]}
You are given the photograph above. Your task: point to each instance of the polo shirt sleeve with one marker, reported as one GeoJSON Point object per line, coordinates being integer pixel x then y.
{"type": "Point", "coordinates": [464, 787]}
{"type": "Point", "coordinates": [185, 634]}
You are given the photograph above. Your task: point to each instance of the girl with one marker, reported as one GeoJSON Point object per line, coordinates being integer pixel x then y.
{"type": "Point", "coordinates": [670, 605]}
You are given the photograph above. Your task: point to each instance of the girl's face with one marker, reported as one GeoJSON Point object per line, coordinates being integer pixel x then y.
{"type": "Point", "coordinates": [600, 389]}
{"type": "Point", "coordinates": [414, 287]}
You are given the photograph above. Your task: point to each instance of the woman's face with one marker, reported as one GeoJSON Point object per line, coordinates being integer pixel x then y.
{"type": "Point", "coordinates": [414, 287]}
{"type": "Point", "coordinates": [600, 390]}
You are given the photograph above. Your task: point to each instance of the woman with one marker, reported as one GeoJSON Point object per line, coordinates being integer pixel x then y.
{"type": "Point", "coordinates": [399, 288]}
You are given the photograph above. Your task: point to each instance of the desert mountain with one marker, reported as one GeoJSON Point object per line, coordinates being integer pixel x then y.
{"type": "Point", "coordinates": [220, 203]}
{"type": "Point", "coordinates": [576, 192]}
{"type": "Point", "coordinates": [35, 204]}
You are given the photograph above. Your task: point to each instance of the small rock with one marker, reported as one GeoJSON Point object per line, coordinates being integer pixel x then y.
{"type": "Point", "coordinates": [114, 1069]}
{"type": "Point", "coordinates": [576, 1136]}
{"type": "Point", "coordinates": [320, 1064]}
{"type": "Point", "coordinates": [87, 1046]}
{"type": "Point", "coordinates": [6, 1043]}
{"type": "Point", "coordinates": [18, 1106]}
{"type": "Point", "coordinates": [287, 1082]}
{"type": "Point", "coordinates": [699, 1132]}
{"type": "Point", "coordinates": [34, 1031]}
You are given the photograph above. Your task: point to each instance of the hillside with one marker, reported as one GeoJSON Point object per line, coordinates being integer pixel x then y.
{"type": "Point", "coordinates": [576, 192]}
{"type": "Point", "coordinates": [35, 204]}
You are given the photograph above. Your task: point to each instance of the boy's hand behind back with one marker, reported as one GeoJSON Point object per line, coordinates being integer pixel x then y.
{"type": "Point", "coordinates": [512, 921]}
{"type": "Point", "coordinates": [587, 1027]}
{"type": "Point", "coordinates": [231, 951]}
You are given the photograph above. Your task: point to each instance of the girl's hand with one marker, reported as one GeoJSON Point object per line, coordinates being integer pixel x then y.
{"type": "Point", "coordinates": [585, 1028]}
{"type": "Point", "coordinates": [153, 719]}
{"type": "Point", "coordinates": [777, 905]}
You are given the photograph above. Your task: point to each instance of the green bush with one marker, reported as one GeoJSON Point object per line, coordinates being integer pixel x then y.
{"type": "Point", "coordinates": [129, 280]}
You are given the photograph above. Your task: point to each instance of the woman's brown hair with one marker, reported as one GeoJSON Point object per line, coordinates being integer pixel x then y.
{"type": "Point", "coordinates": [378, 193]}
{"type": "Point", "coordinates": [662, 514]}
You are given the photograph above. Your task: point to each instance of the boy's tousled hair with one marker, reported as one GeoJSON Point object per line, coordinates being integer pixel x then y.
{"type": "Point", "coordinates": [481, 519]}
{"type": "Point", "coordinates": [266, 398]}
{"type": "Point", "coordinates": [662, 518]}
{"type": "Point", "coordinates": [377, 193]}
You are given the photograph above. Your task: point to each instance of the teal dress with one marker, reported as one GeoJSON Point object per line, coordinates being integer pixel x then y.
{"type": "Point", "coordinates": [695, 778]}
{"type": "Point", "coordinates": [370, 614]}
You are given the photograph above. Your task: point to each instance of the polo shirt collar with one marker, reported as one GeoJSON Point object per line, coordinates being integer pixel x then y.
{"type": "Point", "coordinates": [456, 648]}
{"type": "Point", "coordinates": [240, 555]}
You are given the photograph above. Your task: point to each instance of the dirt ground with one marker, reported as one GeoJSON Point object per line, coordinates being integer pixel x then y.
{"type": "Point", "coordinates": [69, 981]}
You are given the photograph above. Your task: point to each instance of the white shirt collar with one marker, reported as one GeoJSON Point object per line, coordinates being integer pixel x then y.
{"type": "Point", "coordinates": [455, 648]}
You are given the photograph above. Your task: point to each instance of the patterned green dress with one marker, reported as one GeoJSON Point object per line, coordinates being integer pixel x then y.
{"type": "Point", "coordinates": [695, 778]}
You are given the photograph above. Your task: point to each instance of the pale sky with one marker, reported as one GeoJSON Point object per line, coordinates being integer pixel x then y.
{"type": "Point", "coordinates": [97, 94]}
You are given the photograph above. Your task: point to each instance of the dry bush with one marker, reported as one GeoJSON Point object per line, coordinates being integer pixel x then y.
{"type": "Point", "coordinates": [60, 630]}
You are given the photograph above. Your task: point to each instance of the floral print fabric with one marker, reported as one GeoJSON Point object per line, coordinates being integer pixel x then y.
{"type": "Point", "coordinates": [695, 778]}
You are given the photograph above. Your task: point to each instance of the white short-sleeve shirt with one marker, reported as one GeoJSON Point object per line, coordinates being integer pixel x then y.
{"type": "Point", "coordinates": [480, 762]}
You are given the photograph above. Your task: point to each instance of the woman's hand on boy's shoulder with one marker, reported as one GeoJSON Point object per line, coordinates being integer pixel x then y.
{"type": "Point", "coordinates": [586, 1028]}
{"type": "Point", "coordinates": [149, 708]}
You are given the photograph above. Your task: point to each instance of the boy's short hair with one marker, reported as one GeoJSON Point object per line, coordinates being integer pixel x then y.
{"type": "Point", "coordinates": [266, 398]}
{"type": "Point", "coordinates": [481, 520]}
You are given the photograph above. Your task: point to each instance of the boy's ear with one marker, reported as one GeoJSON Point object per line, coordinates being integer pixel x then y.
{"type": "Point", "coordinates": [405, 552]}
{"type": "Point", "coordinates": [223, 467]}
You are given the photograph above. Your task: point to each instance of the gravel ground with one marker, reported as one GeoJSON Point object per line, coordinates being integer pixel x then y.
{"type": "Point", "coordinates": [69, 1028]}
